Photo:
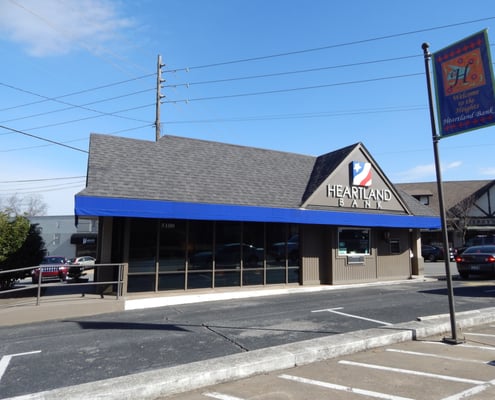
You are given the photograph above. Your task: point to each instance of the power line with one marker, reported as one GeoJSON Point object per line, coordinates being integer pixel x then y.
{"type": "Point", "coordinates": [302, 71]}
{"type": "Point", "coordinates": [78, 92]}
{"type": "Point", "coordinates": [42, 138]}
{"type": "Point", "coordinates": [302, 115]}
{"type": "Point", "coordinates": [332, 46]}
{"type": "Point", "coordinates": [75, 140]}
{"type": "Point", "coordinates": [88, 118]}
{"type": "Point", "coordinates": [66, 103]}
{"type": "Point", "coordinates": [292, 89]}
{"type": "Point", "coordinates": [46, 179]}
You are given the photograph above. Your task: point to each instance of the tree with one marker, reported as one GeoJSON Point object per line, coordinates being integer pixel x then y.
{"type": "Point", "coordinates": [29, 206]}
{"type": "Point", "coordinates": [458, 216]}
{"type": "Point", "coordinates": [21, 245]}
{"type": "Point", "coordinates": [13, 233]}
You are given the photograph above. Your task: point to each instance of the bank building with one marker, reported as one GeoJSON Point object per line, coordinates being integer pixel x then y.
{"type": "Point", "coordinates": [186, 214]}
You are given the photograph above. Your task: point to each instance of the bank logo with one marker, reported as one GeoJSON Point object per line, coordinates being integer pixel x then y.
{"type": "Point", "coordinates": [361, 173]}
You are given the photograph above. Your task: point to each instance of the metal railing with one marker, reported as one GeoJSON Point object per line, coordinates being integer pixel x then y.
{"type": "Point", "coordinates": [19, 285]}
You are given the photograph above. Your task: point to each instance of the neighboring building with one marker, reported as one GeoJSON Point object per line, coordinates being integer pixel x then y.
{"type": "Point", "coordinates": [62, 238]}
{"type": "Point", "coordinates": [187, 214]}
{"type": "Point", "coordinates": [469, 208]}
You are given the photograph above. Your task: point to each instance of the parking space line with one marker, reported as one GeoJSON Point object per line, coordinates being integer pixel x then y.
{"type": "Point", "coordinates": [470, 392]}
{"type": "Point", "coordinates": [416, 353]}
{"type": "Point", "coordinates": [342, 388]}
{"type": "Point", "coordinates": [220, 396]}
{"type": "Point", "coordinates": [334, 310]}
{"type": "Point", "coordinates": [467, 346]}
{"type": "Point", "coordinates": [411, 372]}
{"type": "Point", "coordinates": [478, 334]}
{"type": "Point", "coordinates": [5, 360]}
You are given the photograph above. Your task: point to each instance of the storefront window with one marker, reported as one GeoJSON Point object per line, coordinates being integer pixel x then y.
{"type": "Point", "coordinates": [354, 241]}
{"type": "Point", "coordinates": [172, 254]}
{"type": "Point", "coordinates": [253, 254]}
{"type": "Point", "coordinates": [293, 258]}
{"type": "Point", "coordinates": [142, 246]}
{"type": "Point", "coordinates": [142, 255]}
{"type": "Point", "coordinates": [276, 254]}
{"type": "Point", "coordinates": [179, 254]}
{"type": "Point", "coordinates": [227, 255]}
{"type": "Point", "coordinates": [200, 255]}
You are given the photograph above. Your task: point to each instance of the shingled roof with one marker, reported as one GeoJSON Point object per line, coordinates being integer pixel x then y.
{"type": "Point", "coordinates": [198, 171]}
{"type": "Point", "coordinates": [180, 169]}
{"type": "Point", "coordinates": [453, 191]}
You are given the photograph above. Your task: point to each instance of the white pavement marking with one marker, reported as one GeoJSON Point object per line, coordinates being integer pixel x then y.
{"type": "Point", "coordinates": [470, 392]}
{"type": "Point", "coordinates": [415, 353]}
{"type": "Point", "coordinates": [220, 396]}
{"type": "Point", "coordinates": [478, 334]}
{"type": "Point", "coordinates": [347, 389]}
{"type": "Point", "coordinates": [334, 310]}
{"type": "Point", "coordinates": [411, 372]}
{"type": "Point", "coordinates": [467, 346]}
{"type": "Point", "coordinates": [5, 360]}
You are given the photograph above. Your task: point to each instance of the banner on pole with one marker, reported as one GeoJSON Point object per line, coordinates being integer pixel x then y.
{"type": "Point", "coordinates": [464, 85]}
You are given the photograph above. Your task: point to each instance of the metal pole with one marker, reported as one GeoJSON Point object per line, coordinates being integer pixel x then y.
{"type": "Point", "coordinates": [436, 138]}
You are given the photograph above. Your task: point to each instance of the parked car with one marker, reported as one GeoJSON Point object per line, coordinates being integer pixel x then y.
{"type": "Point", "coordinates": [79, 265]}
{"type": "Point", "coordinates": [479, 240]}
{"type": "Point", "coordinates": [431, 253]}
{"type": "Point", "coordinates": [52, 268]}
{"type": "Point", "coordinates": [476, 260]}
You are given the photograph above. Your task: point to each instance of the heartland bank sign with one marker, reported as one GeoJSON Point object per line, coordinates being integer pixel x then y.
{"type": "Point", "coordinates": [359, 194]}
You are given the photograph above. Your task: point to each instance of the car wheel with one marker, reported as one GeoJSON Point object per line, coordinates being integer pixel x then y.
{"type": "Point", "coordinates": [432, 258]}
{"type": "Point", "coordinates": [34, 280]}
{"type": "Point", "coordinates": [464, 275]}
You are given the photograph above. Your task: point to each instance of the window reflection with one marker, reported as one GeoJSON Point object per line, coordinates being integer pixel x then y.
{"type": "Point", "coordinates": [200, 253]}
{"type": "Point", "coordinates": [142, 256]}
{"type": "Point", "coordinates": [206, 254]}
{"type": "Point", "coordinates": [227, 253]}
{"type": "Point", "coordinates": [354, 241]}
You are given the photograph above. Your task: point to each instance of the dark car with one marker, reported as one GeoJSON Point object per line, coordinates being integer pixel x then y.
{"type": "Point", "coordinates": [476, 260]}
{"type": "Point", "coordinates": [431, 253]}
{"type": "Point", "coordinates": [479, 240]}
{"type": "Point", "coordinates": [52, 268]}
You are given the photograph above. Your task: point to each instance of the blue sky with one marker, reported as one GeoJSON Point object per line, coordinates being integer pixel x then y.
{"type": "Point", "coordinates": [299, 76]}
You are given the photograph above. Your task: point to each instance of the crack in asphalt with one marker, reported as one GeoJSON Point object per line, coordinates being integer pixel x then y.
{"type": "Point", "coordinates": [234, 342]}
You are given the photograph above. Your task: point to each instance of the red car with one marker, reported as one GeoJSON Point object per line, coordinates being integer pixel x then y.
{"type": "Point", "coordinates": [52, 268]}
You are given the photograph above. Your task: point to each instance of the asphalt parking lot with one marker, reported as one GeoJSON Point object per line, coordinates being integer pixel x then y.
{"type": "Point", "coordinates": [428, 369]}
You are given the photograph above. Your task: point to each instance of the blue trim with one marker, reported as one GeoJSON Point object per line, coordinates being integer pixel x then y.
{"type": "Point", "coordinates": [118, 207]}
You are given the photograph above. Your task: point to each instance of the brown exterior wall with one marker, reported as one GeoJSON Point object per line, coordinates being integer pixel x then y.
{"type": "Point", "coordinates": [394, 266]}
{"type": "Point", "coordinates": [320, 254]}
{"type": "Point", "coordinates": [312, 245]}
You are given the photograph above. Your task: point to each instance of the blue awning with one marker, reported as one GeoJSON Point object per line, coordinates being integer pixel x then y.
{"type": "Point", "coordinates": [121, 207]}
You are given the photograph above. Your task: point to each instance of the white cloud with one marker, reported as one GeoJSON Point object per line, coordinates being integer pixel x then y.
{"type": "Point", "coordinates": [425, 172]}
{"type": "Point", "coordinates": [488, 171]}
{"type": "Point", "coordinates": [52, 27]}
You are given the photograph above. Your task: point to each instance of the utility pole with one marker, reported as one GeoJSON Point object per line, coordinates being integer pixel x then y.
{"type": "Point", "coordinates": [159, 96]}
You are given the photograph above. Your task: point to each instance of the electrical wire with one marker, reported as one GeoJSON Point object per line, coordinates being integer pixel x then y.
{"type": "Point", "coordinates": [302, 71]}
{"type": "Point", "coordinates": [46, 179]}
{"type": "Point", "coordinates": [292, 89]}
{"type": "Point", "coordinates": [66, 103]}
{"type": "Point", "coordinates": [332, 46]}
{"type": "Point", "coordinates": [42, 138]}
{"type": "Point", "coordinates": [78, 92]}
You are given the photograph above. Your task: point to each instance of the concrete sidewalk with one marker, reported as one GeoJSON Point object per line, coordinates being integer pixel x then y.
{"type": "Point", "coordinates": [168, 381]}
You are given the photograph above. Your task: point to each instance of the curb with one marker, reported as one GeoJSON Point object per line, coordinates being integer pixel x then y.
{"type": "Point", "coordinates": [183, 378]}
